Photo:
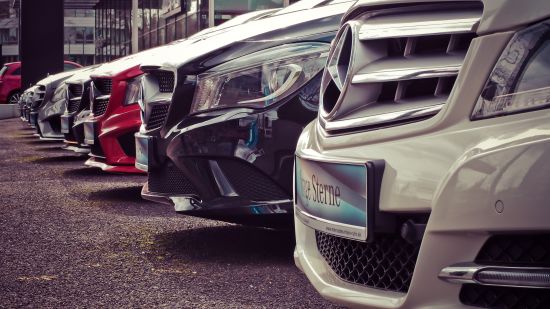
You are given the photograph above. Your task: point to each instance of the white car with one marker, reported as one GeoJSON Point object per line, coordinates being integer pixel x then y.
{"type": "Point", "coordinates": [424, 181]}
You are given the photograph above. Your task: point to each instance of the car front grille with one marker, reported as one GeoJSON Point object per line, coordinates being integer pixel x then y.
{"type": "Point", "coordinates": [74, 105]}
{"type": "Point", "coordinates": [165, 80]}
{"type": "Point", "coordinates": [386, 68]}
{"type": "Point", "coordinates": [157, 116]}
{"type": "Point", "coordinates": [75, 90]}
{"type": "Point", "coordinates": [387, 263]}
{"type": "Point", "coordinates": [510, 250]}
{"type": "Point", "coordinates": [104, 85]}
{"type": "Point", "coordinates": [168, 179]}
{"type": "Point", "coordinates": [100, 106]}
{"type": "Point", "coordinates": [251, 183]}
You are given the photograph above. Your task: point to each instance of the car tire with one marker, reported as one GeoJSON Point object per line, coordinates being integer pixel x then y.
{"type": "Point", "coordinates": [13, 98]}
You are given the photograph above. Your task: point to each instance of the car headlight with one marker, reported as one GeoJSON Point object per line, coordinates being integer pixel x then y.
{"type": "Point", "coordinates": [259, 79]}
{"type": "Point", "coordinates": [520, 81]}
{"type": "Point", "coordinates": [133, 91]}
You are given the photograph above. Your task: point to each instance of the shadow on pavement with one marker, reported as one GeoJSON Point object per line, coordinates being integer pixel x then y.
{"type": "Point", "coordinates": [50, 149]}
{"type": "Point", "coordinates": [228, 244]}
{"type": "Point", "coordinates": [85, 172]}
{"type": "Point", "coordinates": [43, 141]}
{"type": "Point", "coordinates": [59, 159]}
{"type": "Point", "coordinates": [125, 194]}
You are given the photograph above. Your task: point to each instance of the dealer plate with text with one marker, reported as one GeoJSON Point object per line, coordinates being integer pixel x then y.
{"type": "Point", "coordinates": [142, 151]}
{"type": "Point", "coordinates": [332, 197]}
{"type": "Point", "coordinates": [89, 132]}
{"type": "Point", "coordinates": [65, 124]}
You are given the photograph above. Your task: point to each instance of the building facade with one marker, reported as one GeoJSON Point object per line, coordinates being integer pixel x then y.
{"type": "Point", "coordinates": [163, 21]}
{"type": "Point", "coordinates": [79, 24]}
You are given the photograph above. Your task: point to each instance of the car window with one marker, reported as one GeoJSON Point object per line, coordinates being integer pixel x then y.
{"type": "Point", "coordinates": [536, 74]}
{"type": "Point", "coordinates": [68, 67]}
{"type": "Point", "coordinates": [308, 4]}
{"type": "Point", "coordinates": [16, 71]}
{"type": "Point", "coordinates": [3, 70]}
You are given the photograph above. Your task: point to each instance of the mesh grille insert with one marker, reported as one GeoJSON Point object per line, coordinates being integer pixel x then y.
{"type": "Point", "coordinates": [533, 250]}
{"type": "Point", "coordinates": [520, 250]}
{"type": "Point", "coordinates": [73, 105]}
{"type": "Point", "coordinates": [165, 80]}
{"type": "Point", "coordinates": [75, 90]}
{"type": "Point", "coordinates": [104, 85]}
{"type": "Point", "coordinates": [250, 182]}
{"type": "Point", "coordinates": [100, 107]}
{"type": "Point", "coordinates": [387, 263]}
{"type": "Point", "coordinates": [504, 297]}
{"type": "Point", "coordinates": [158, 116]}
{"type": "Point", "coordinates": [169, 179]}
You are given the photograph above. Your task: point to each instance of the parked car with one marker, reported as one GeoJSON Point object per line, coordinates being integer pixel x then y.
{"type": "Point", "coordinates": [109, 130]}
{"type": "Point", "coordinates": [25, 101]}
{"type": "Point", "coordinates": [48, 105]}
{"type": "Point", "coordinates": [222, 115]}
{"type": "Point", "coordinates": [114, 119]}
{"type": "Point", "coordinates": [10, 80]}
{"type": "Point", "coordinates": [423, 181]}
{"type": "Point", "coordinates": [76, 100]}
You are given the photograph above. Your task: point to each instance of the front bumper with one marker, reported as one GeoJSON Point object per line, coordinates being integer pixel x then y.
{"type": "Point", "coordinates": [237, 164]}
{"type": "Point", "coordinates": [475, 179]}
{"type": "Point", "coordinates": [111, 140]}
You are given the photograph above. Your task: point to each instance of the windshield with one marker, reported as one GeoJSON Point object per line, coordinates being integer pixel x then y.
{"type": "Point", "coordinates": [308, 4]}
{"type": "Point", "coordinates": [3, 70]}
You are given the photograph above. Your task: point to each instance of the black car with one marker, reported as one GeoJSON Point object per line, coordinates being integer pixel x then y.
{"type": "Point", "coordinates": [222, 115]}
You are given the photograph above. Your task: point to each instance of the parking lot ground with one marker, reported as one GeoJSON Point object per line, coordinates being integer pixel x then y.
{"type": "Point", "coordinates": [73, 236]}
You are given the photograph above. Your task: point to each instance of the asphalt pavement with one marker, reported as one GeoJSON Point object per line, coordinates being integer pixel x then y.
{"type": "Point", "coordinates": [73, 236]}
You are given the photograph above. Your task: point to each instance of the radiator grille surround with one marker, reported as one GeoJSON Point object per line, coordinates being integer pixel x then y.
{"type": "Point", "coordinates": [388, 67]}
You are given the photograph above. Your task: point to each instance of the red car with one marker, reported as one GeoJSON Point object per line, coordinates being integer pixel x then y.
{"type": "Point", "coordinates": [10, 80]}
{"type": "Point", "coordinates": [114, 120]}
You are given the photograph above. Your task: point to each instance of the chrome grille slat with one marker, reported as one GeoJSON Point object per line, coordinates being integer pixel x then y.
{"type": "Point", "coordinates": [420, 24]}
{"type": "Point", "coordinates": [407, 56]}
{"type": "Point", "coordinates": [406, 69]}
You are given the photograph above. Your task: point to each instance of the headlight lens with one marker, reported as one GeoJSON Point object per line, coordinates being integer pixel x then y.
{"type": "Point", "coordinates": [520, 81]}
{"type": "Point", "coordinates": [133, 91]}
{"type": "Point", "coordinates": [270, 78]}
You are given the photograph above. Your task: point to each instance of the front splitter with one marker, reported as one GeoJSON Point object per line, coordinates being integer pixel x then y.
{"type": "Point", "coordinates": [120, 169]}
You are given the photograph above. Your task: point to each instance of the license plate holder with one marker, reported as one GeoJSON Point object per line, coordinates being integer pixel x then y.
{"type": "Point", "coordinates": [143, 144]}
{"type": "Point", "coordinates": [336, 198]}
{"type": "Point", "coordinates": [89, 132]}
{"type": "Point", "coordinates": [65, 124]}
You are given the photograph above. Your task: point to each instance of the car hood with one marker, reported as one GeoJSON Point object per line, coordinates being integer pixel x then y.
{"type": "Point", "coordinates": [123, 64]}
{"type": "Point", "coordinates": [273, 30]}
{"type": "Point", "coordinates": [82, 75]}
{"type": "Point", "coordinates": [56, 78]}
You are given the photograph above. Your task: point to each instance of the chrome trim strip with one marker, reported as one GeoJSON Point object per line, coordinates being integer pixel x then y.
{"type": "Point", "coordinates": [225, 187]}
{"type": "Point", "coordinates": [142, 167]}
{"type": "Point", "coordinates": [468, 273]}
{"type": "Point", "coordinates": [406, 74]}
{"type": "Point", "coordinates": [420, 28]}
{"type": "Point", "coordinates": [382, 119]}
